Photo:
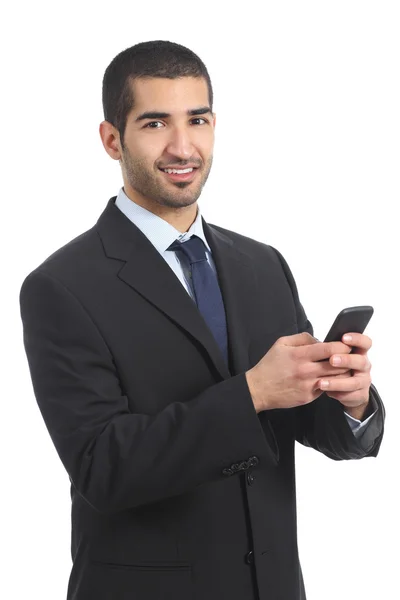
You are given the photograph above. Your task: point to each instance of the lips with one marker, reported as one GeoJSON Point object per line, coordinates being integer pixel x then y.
{"type": "Point", "coordinates": [179, 167]}
{"type": "Point", "coordinates": [180, 176]}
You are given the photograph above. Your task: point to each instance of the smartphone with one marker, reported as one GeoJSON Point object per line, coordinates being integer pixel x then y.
{"type": "Point", "coordinates": [354, 318]}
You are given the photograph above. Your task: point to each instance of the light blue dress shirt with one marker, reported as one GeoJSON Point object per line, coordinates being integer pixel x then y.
{"type": "Point", "coordinates": [162, 234]}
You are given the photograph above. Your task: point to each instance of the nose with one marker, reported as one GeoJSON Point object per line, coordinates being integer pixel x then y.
{"type": "Point", "coordinates": [180, 143]}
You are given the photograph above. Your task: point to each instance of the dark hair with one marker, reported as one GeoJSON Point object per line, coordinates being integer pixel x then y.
{"type": "Point", "coordinates": [148, 59]}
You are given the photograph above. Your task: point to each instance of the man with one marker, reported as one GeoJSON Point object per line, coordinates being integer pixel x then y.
{"type": "Point", "coordinates": [175, 367]}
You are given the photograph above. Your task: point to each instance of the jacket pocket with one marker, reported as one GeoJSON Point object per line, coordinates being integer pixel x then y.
{"type": "Point", "coordinates": [149, 580]}
{"type": "Point", "coordinates": [148, 565]}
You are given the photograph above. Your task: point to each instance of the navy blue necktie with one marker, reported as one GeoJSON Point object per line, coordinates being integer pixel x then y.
{"type": "Point", "coordinates": [206, 288]}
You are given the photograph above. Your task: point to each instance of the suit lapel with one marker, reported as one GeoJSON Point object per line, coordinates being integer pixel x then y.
{"type": "Point", "coordinates": [146, 271]}
{"type": "Point", "coordinates": [238, 283]}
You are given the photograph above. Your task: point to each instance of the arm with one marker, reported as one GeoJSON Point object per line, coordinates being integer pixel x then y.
{"type": "Point", "coordinates": [116, 458]}
{"type": "Point", "coordinates": [322, 424]}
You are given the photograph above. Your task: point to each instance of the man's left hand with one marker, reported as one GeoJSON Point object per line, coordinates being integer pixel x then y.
{"type": "Point", "coordinates": [352, 388]}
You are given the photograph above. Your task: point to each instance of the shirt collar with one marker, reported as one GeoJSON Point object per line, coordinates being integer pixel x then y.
{"type": "Point", "coordinates": [160, 233]}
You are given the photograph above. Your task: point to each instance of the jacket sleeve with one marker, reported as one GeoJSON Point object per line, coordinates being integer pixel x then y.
{"type": "Point", "coordinates": [322, 424]}
{"type": "Point", "coordinates": [117, 459]}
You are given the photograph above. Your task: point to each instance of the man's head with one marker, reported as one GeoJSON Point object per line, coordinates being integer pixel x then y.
{"type": "Point", "coordinates": [157, 101]}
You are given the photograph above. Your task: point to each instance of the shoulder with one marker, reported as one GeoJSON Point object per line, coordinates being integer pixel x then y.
{"type": "Point", "coordinates": [267, 261]}
{"type": "Point", "coordinates": [75, 259]}
{"type": "Point", "coordinates": [249, 245]}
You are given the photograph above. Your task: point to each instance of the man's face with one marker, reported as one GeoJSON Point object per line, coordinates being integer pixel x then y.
{"type": "Point", "coordinates": [161, 134]}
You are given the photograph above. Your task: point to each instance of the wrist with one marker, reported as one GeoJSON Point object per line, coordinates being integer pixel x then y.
{"type": "Point", "coordinates": [254, 391]}
{"type": "Point", "coordinates": [359, 412]}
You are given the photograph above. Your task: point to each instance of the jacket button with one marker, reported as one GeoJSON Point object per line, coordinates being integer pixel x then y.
{"type": "Point", "coordinates": [227, 472]}
{"type": "Point", "coordinates": [249, 558]}
{"type": "Point", "coordinates": [250, 478]}
{"type": "Point", "coordinates": [253, 461]}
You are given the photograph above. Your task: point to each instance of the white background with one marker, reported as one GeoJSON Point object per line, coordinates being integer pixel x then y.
{"type": "Point", "coordinates": [306, 159]}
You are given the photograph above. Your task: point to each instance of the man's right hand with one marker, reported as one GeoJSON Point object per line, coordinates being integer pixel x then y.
{"type": "Point", "coordinates": [287, 375]}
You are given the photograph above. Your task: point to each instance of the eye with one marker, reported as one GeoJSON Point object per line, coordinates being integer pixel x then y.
{"type": "Point", "coordinates": [151, 123]}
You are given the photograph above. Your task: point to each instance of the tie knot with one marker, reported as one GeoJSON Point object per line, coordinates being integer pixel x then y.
{"type": "Point", "coordinates": [194, 248]}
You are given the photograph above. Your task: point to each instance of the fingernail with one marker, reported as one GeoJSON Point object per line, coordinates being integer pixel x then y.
{"type": "Point", "coordinates": [336, 360]}
{"type": "Point", "coordinates": [324, 383]}
{"type": "Point", "coordinates": [347, 338]}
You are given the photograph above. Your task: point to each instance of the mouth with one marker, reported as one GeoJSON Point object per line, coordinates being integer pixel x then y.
{"type": "Point", "coordinates": [180, 174]}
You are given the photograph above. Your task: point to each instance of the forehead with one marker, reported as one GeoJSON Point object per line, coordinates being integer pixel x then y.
{"type": "Point", "coordinates": [169, 95]}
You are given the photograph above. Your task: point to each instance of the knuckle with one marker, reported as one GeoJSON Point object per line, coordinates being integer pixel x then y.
{"type": "Point", "coordinates": [297, 371]}
{"type": "Point", "coordinates": [308, 336]}
{"type": "Point", "coordinates": [294, 373]}
{"type": "Point", "coordinates": [360, 383]}
{"type": "Point", "coordinates": [303, 352]}
{"type": "Point", "coordinates": [332, 348]}
{"type": "Point", "coordinates": [339, 348]}
{"type": "Point", "coordinates": [327, 350]}
{"type": "Point", "coordinates": [302, 371]}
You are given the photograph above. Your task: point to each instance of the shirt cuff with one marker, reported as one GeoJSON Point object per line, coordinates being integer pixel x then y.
{"type": "Point", "coordinates": [358, 426]}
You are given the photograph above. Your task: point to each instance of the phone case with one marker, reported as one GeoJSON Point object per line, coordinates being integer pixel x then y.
{"type": "Point", "coordinates": [354, 318]}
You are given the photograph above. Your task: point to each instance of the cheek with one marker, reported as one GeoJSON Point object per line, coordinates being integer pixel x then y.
{"type": "Point", "coordinates": [145, 150]}
{"type": "Point", "coordinates": [208, 148]}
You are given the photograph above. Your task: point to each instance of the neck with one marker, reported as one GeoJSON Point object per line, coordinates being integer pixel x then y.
{"type": "Point", "coordinates": [182, 217]}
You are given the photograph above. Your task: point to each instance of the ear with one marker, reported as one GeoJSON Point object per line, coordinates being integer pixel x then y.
{"type": "Point", "coordinates": [110, 138]}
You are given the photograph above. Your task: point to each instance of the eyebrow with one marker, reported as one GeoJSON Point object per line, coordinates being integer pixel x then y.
{"type": "Point", "coordinates": [163, 115]}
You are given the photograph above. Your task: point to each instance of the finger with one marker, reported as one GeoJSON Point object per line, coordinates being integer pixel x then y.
{"type": "Point", "coordinates": [323, 369]}
{"type": "Point", "coordinates": [298, 339]}
{"type": "Point", "coordinates": [323, 350]}
{"type": "Point", "coordinates": [342, 375]}
{"type": "Point", "coordinates": [349, 399]}
{"type": "Point", "coordinates": [355, 362]}
{"type": "Point", "coordinates": [358, 340]}
{"type": "Point", "coordinates": [346, 374]}
{"type": "Point", "coordinates": [345, 384]}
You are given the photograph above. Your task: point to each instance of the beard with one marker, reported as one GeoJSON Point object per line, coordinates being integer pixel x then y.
{"type": "Point", "coordinates": [149, 183]}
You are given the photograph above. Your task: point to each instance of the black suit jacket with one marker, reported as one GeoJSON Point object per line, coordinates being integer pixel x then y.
{"type": "Point", "coordinates": [179, 489]}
